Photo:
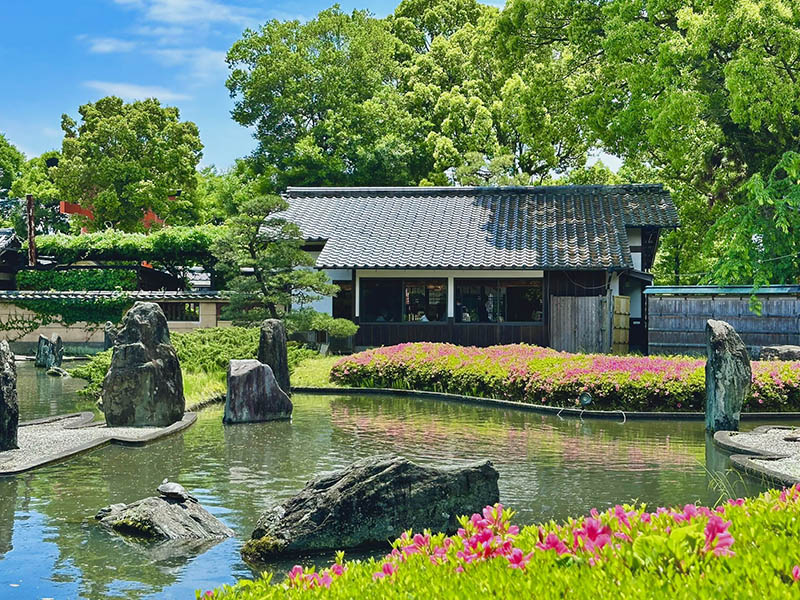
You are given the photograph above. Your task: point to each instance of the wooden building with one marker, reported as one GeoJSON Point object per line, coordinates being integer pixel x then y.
{"type": "Point", "coordinates": [486, 265]}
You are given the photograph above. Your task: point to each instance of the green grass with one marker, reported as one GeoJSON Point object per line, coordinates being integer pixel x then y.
{"type": "Point", "coordinates": [314, 372]}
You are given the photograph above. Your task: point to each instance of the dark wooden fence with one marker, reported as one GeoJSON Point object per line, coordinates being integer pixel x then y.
{"type": "Point", "coordinates": [676, 324]}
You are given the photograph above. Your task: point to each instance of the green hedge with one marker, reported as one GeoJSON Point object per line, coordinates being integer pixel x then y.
{"type": "Point", "coordinates": [543, 376]}
{"type": "Point", "coordinates": [741, 549]}
{"type": "Point", "coordinates": [200, 351]}
{"type": "Point", "coordinates": [186, 246]}
{"type": "Point", "coordinates": [78, 279]}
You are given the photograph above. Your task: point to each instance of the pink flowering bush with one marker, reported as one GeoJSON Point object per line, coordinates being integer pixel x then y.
{"type": "Point", "coordinates": [741, 548]}
{"type": "Point", "coordinates": [537, 375]}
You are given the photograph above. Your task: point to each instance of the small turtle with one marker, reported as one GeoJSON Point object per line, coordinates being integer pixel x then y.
{"type": "Point", "coordinates": [175, 491]}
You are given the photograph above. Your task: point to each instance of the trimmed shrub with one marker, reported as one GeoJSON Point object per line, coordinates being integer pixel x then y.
{"type": "Point", "coordinates": [77, 279]}
{"type": "Point", "coordinates": [543, 376]}
{"type": "Point", "coordinates": [742, 548]}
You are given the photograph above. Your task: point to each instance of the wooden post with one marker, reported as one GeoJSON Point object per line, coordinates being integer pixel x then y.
{"type": "Point", "coordinates": [31, 230]}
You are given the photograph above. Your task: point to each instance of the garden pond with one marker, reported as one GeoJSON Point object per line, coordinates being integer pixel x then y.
{"type": "Point", "coordinates": [550, 468]}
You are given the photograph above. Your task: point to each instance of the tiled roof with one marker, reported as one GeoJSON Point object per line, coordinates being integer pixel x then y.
{"type": "Point", "coordinates": [148, 296]}
{"type": "Point", "coordinates": [557, 227]}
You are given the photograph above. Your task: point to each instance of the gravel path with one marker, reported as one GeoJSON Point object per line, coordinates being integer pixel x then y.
{"type": "Point", "coordinates": [42, 443]}
{"type": "Point", "coordinates": [771, 441]}
{"type": "Point", "coordinates": [768, 440]}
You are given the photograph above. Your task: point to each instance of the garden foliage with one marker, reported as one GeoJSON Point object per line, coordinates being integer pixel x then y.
{"type": "Point", "coordinates": [206, 351]}
{"type": "Point", "coordinates": [78, 279]}
{"type": "Point", "coordinates": [742, 548]}
{"type": "Point", "coordinates": [538, 375]}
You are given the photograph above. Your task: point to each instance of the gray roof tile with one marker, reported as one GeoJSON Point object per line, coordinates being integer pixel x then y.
{"type": "Point", "coordinates": [563, 227]}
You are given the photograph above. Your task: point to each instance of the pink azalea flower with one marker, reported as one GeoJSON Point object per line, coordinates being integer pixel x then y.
{"type": "Point", "coordinates": [796, 572]}
{"type": "Point", "coordinates": [718, 540]}
{"type": "Point", "coordinates": [518, 560]}
{"type": "Point", "coordinates": [553, 542]}
{"type": "Point", "coordinates": [387, 570]}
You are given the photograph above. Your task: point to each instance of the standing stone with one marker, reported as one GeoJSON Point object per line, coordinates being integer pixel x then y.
{"type": "Point", "coordinates": [253, 394]}
{"type": "Point", "coordinates": [272, 351]}
{"type": "Point", "coordinates": [728, 376]}
{"type": "Point", "coordinates": [9, 409]}
{"type": "Point", "coordinates": [49, 352]}
{"type": "Point", "coordinates": [109, 335]}
{"type": "Point", "coordinates": [144, 386]}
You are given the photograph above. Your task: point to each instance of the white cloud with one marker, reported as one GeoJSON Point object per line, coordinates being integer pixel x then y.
{"type": "Point", "coordinates": [107, 45]}
{"type": "Point", "coordinates": [203, 63]}
{"type": "Point", "coordinates": [131, 91]}
{"type": "Point", "coordinates": [182, 12]}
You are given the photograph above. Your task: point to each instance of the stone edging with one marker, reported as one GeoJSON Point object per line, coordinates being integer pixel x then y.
{"type": "Point", "coordinates": [539, 408]}
{"type": "Point", "coordinates": [201, 404]}
{"type": "Point", "coordinates": [743, 457]}
{"type": "Point", "coordinates": [187, 421]}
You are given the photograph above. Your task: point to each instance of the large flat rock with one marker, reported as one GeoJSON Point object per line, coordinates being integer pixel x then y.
{"type": "Point", "coordinates": [159, 519]}
{"type": "Point", "coordinates": [372, 502]}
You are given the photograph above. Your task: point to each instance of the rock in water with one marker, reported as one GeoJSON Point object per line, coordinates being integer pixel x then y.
{"type": "Point", "coordinates": [272, 351]}
{"type": "Point", "coordinates": [49, 352]}
{"type": "Point", "coordinates": [159, 519]}
{"type": "Point", "coordinates": [9, 409]}
{"type": "Point", "coordinates": [728, 376]}
{"type": "Point", "coordinates": [144, 386]}
{"type": "Point", "coordinates": [372, 502]}
{"type": "Point", "coordinates": [57, 372]}
{"type": "Point", "coordinates": [253, 394]}
{"type": "Point", "coordinates": [785, 352]}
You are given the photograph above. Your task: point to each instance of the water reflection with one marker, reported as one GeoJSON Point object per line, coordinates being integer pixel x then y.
{"type": "Point", "coordinates": [549, 468]}
{"type": "Point", "coordinates": [41, 395]}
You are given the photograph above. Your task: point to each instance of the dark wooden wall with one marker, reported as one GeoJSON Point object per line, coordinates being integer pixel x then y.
{"type": "Point", "coordinates": [676, 325]}
{"type": "Point", "coordinates": [556, 283]}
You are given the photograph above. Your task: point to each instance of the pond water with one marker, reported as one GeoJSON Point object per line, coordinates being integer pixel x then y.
{"type": "Point", "coordinates": [549, 468]}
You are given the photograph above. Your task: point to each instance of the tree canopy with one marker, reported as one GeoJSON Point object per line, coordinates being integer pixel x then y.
{"type": "Point", "coordinates": [124, 159]}
{"type": "Point", "coordinates": [11, 162]}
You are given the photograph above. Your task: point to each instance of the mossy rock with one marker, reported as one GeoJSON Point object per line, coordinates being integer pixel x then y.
{"type": "Point", "coordinates": [261, 549]}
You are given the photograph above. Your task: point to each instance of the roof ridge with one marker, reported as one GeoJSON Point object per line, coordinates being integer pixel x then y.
{"type": "Point", "coordinates": [430, 190]}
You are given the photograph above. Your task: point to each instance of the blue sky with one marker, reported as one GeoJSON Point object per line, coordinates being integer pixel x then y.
{"type": "Point", "coordinates": [56, 55]}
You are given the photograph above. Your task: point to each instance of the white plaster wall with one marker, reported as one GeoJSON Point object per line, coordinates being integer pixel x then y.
{"type": "Point", "coordinates": [325, 304]}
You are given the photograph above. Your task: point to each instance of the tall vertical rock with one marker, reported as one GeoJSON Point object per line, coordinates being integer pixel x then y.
{"type": "Point", "coordinates": [49, 352]}
{"type": "Point", "coordinates": [253, 394]}
{"type": "Point", "coordinates": [144, 386]}
{"type": "Point", "coordinates": [9, 409]}
{"type": "Point", "coordinates": [272, 351]}
{"type": "Point", "coordinates": [728, 376]}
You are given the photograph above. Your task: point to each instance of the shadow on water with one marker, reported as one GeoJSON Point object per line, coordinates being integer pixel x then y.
{"type": "Point", "coordinates": [550, 468]}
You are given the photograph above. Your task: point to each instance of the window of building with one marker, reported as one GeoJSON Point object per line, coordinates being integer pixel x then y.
{"type": "Point", "coordinates": [397, 300]}
{"type": "Point", "coordinates": [425, 300]}
{"type": "Point", "coordinates": [343, 301]}
{"type": "Point", "coordinates": [498, 301]}
{"type": "Point", "coordinates": [381, 300]}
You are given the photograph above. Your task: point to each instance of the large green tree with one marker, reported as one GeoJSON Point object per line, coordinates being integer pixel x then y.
{"type": "Point", "coordinates": [705, 92]}
{"type": "Point", "coordinates": [11, 162]}
{"type": "Point", "coordinates": [124, 159]}
{"type": "Point", "coordinates": [37, 178]}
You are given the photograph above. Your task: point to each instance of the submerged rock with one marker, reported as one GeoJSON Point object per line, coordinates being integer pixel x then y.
{"type": "Point", "coordinates": [49, 352]}
{"type": "Point", "coordinates": [372, 502]}
{"type": "Point", "coordinates": [272, 351]}
{"type": "Point", "coordinates": [9, 408]}
{"type": "Point", "coordinates": [785, 352]}
{"type": "Point", "coordinates": [728, 376]}
{"type": "Point", "coordinates": [57, 372]}
{"type": "Point", "coordinates": [144, 386]}
{"type": "Point", "coordinates": [163, 518]}
{"type": "Point", "coordinates": [253, 394]}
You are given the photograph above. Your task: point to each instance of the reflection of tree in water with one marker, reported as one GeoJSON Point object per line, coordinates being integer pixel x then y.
{"type": "Point", "coordinates": [70, 493]}
{"type": "Point", "coordinates": [41, 395]}
{"type": "Point", "coordinates": [549, 467]}
{"type": "Point", "coordinates": [8, 506]}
